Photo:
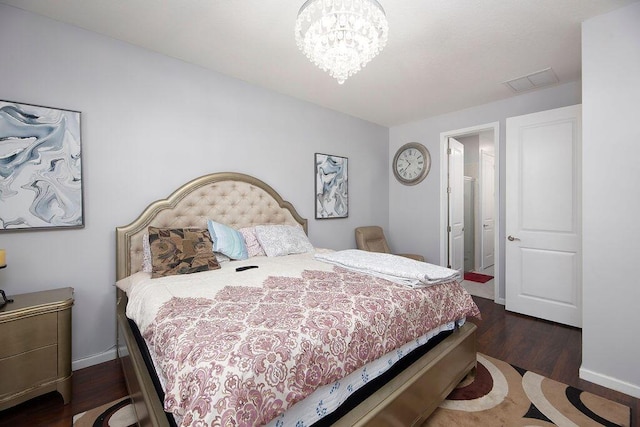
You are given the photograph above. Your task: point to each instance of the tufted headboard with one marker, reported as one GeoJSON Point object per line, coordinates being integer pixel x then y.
{"type": "Point", "coordinates": [234, 199]}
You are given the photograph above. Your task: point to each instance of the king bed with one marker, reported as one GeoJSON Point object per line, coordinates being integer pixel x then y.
{"type": "Point", "coordinates": [351, 348]}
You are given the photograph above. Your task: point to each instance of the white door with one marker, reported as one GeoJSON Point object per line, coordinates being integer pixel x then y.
{"type": "Point", "coordinates": [469, 226]}
{"type": "Point", "coordinates": [487, 203]}
{"type": "Point", "coordinates": [456, 206]}
{"type": "Point", "coordinates": [543, 215]}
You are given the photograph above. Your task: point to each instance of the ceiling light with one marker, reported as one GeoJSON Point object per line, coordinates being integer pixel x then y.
{"type": "Point", "coordinates": [341, 36]}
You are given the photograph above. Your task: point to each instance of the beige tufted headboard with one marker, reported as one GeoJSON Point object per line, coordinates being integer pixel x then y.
{"type": "Point", "coordinates": [234, 199]}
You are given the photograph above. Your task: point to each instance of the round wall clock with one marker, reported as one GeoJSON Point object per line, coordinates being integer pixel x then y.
{"type": "Point", "coordinates": [411, 163]}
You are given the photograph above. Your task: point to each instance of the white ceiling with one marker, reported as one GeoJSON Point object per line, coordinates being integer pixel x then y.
{"type": "Point", "coordinates": [442, 55]}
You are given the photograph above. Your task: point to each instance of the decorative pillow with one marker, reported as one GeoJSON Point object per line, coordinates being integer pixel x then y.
{"type": "Point", "coordinates": [146, 254]}
{"type": "Point", "coordinates": [180, 251]}
{"type": "Point", "coordinates": [227, 240]}
{"type": "Point", "coordinates": [251, 241]}
{"type": "Point", "coordinates": [221, 257]}
{"type": "Point", "coordinates": [278, 240]}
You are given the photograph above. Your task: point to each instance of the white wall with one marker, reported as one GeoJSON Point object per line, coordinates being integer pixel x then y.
{"type": "Point", "coordinates": [414, 212]}
{"type": "Point", "coordinates": [149, 124]}
{"type": "Point", "coordinates": [486, 142]}
{"type": "Point", "coordinates": [471, 154]}
{"type": "Point", "coordinates": [611, 231]}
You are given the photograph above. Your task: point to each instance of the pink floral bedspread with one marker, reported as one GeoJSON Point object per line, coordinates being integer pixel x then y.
{"type": "Point", "coordinates": [250, 353]}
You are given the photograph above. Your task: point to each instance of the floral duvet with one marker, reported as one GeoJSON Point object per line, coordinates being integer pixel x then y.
{"type": "Point", "coordinates": [240, 348]}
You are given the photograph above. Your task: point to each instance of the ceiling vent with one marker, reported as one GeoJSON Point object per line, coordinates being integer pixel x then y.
{"type": "Point", "coordinates": [535, 80]}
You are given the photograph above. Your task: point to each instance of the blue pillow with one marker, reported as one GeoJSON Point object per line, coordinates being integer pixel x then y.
{"type": "Point", "coordinates": [227, 240]}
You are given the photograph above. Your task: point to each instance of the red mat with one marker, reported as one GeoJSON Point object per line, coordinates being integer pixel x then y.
{"type": "Point", "coordinates": [477, 277]}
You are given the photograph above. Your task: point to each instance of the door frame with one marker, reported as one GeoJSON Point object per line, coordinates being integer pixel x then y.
{"type": "Point", "coordinates": [455, 228]}
{"type": "Point", "coordinates": [444, 200]}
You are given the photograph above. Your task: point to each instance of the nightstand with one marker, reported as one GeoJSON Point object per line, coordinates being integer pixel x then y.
{"type": "Point", "coordinates": [35, 346]}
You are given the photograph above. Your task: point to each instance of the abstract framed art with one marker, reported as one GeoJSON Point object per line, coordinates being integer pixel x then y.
{"type": "Point", "coordinates": [332, 186]}
{"type": "Point", "coordinates": [40, 168]}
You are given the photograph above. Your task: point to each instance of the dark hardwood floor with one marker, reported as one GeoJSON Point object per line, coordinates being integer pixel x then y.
{"type": "Point", "coordinates": [91, 387]}
{"type": "Point", "coordinates": [547, 348]}
{"type": "Point", "coordinates": [544, 347]}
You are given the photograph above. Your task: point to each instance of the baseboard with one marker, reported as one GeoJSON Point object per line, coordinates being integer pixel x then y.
{"type": "Point", "coordinates": [94, 360]}
{"type": "Point", "coordinates": [609, 382]}
{"type": "Point", "coordinates": [500, 301]}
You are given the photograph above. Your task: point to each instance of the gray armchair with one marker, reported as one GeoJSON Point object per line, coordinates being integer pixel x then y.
{"type": "Point", "coordinates": [371, 238]}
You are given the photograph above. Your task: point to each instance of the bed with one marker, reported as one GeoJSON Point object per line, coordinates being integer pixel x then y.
{"type": "Point", "coordinates": [240, 201]}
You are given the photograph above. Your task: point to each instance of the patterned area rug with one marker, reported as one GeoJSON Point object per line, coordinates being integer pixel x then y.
{"type": "Point", "coordinates": [118, 413]}
{"type": "Point", "coordinates": [500, 394]}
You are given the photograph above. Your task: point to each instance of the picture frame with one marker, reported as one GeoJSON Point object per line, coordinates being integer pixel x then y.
{"type": "Point", "coordinates": [331, 186]}
{"type": "Point", "coordinates": [40, 168]}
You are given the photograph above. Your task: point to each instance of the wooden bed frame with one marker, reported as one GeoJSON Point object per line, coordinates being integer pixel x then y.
{"type": "Point", "coordinates": [240, 200]}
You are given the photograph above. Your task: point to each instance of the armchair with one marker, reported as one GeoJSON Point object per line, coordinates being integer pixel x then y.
{"type": "Point", "coordinates": [371, 238]}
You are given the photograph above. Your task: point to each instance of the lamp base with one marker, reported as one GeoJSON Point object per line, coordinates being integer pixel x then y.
{"type": "Point", "coordinates": [3, 299]}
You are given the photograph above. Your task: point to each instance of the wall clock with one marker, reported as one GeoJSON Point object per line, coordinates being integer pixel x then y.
{"type": "Point", "coordinates": [412, 163]}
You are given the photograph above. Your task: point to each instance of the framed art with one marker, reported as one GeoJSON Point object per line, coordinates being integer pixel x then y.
{"type": "Point", "coordinates": [332, 189]}
{"type": "Point", "coordinates": [40, 167]}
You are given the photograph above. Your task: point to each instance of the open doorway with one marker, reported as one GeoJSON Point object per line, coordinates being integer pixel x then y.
{"type": "Point", "coordinates": [481, 213]}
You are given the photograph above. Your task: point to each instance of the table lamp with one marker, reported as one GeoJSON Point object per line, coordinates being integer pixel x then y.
{"type": "Point", "coordinates": [3, 263]}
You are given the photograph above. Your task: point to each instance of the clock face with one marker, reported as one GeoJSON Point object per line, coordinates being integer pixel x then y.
{"type": "Point", "coordinates": [411, 163]}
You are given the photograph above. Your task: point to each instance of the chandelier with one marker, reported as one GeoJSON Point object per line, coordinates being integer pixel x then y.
{"type": "Point", "coordinates": [341, 36]}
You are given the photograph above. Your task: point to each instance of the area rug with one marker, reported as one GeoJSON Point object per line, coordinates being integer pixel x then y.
{"type": "Point", "coordinates": [118, 413]}
{"type": "Point", "coordinates": [477, 277]}
{"type": "Point", "coordinates": [500, 394]}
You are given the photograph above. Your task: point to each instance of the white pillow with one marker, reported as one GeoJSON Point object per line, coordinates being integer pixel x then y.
{"type": "Point", "coordinates": [129, 282]}
{"type": "Point", "coordinates": [279, 240]}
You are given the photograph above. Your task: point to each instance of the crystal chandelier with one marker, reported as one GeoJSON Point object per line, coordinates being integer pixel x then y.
{"type": "Point", "coordinates": [341, 36]}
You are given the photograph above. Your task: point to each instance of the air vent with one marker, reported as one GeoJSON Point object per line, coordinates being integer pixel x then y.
{"type": "Point", "coordinates": [531, 81]}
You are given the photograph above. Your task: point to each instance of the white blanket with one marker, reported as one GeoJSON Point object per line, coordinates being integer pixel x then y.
{"type": "Point", "coordinates": [395, 268]}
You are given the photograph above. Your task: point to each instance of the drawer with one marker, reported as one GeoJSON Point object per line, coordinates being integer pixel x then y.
{"type": "Point", "coordinates": [19, 336]}
{"type": "Point", "coordinates": [28, 369]}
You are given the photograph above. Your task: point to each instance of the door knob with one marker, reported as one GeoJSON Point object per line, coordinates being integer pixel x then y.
{"type": "Point", "coordinates": [511, 238]}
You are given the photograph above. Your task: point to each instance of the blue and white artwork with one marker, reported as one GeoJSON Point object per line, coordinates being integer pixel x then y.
{"type": "Point", "coordinates": [40, 167]}
{"type": "Point", "coordinates": [332, 195]}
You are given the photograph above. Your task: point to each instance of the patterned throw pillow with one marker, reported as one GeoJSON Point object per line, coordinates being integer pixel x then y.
{"type": "Point", "coordinates": [147, 266]}
{"type": "Point", "coordinates": [146, 255]}
{"type": "Point", "coordinates": [180, 251]}
{"type": "Point", "coordinates": [250, 239]}
{"type": "Point", "coordinates": [227, 240]}
{"type": "Point", "coordinates": [279, 240]}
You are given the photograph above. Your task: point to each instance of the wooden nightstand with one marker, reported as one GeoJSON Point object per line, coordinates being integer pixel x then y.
{"type": "Point", "coordinates": [35, 346]}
